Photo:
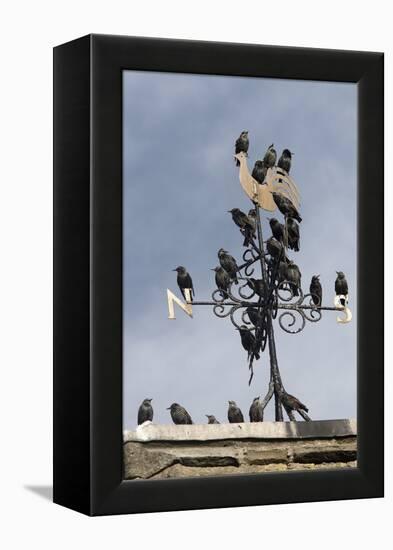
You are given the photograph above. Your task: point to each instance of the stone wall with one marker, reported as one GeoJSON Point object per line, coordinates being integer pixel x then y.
{"type": "Point", "coordinates": [166, 451]}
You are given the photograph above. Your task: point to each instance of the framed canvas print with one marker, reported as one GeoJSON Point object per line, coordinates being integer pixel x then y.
{"type": "Point", "coordinates": [218, 321]}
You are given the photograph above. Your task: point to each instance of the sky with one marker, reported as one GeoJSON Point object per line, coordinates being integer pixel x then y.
{"type": "Point", "coordinates": [179, 181]}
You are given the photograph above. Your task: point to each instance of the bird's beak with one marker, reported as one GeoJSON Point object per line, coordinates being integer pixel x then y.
{"type": "Point", "coordinates": [211, 269]}
{"type": "Point", "coordinates": [174, 269]}
{"type": "Point", "coordinates": [337, 272]}
{"type": "Point", "coordinates": [168, 408]}
{"type": "Point", "coordinates": [318, 276]}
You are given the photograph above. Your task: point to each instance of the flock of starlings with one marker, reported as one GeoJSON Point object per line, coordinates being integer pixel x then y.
{"type": "Point", "coordinates": [226, 274]}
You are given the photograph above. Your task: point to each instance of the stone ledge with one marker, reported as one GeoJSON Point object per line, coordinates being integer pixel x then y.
{"type": "Point", "coordinates": [259, 430]}
{"type": "Point", "coordinates": [159, 452]}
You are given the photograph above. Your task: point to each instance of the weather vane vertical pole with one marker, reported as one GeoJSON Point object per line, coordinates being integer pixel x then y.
{"type": "Point", "coordinates": [274, 371]}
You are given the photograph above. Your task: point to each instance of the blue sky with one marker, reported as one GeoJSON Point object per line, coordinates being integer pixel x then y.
{"type": "Point", "coordinates": [179, 181]}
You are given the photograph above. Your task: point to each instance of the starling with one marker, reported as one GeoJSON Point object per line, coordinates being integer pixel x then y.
{"type": "Point", "coordinates": [259, 172]}
{"type": "Point", "coordinates": [223, 280]}
{"type": "Point", "coordinates": [274, 247]}
{"type": "Point", "coordinates": [277, 229]}
{"type": "Point", "coordinates": [292, 403]}
{"type": "Point", "coordinates": [294, 277]}
{"type": "Point", "coordinates": [145, 411]}
{"type": "Point", "coordinates": [242, 144]}
{"type": "Point", "coordinates": [211, 419]}
{"type": "Point", "coordinates": [316, 290]}
{"type": "Point", "coordinates": [256, 412]}
{"type": "Point", "coordinates": [184, 281]}
{"type": "Point", "coordinates": [228, 263]}
{"type": "Point", "coordinates": [257, 285]}
{"type": "Point", "coordinates": [254, 316]}
{"type": "Point", "coordinates": [293, 234]}
{"type": "Point", "coordinates": [235, 415]}
{"type": "Point", "coordinates": [286, 207]}
{"type": "Point", "coordinates": [270, 157]}
{"type": "Point", "coordinates": [248, 342]}
{"type": "Point", "coordinates": [250, 227]}
{"type": "Point", "coordinates": [179, 414]}
{"type": "Point", "coordinates": [341, 286]}
{"type": "Point", "coordinates": [239, 217]}
{"type": "Point", "coordinates": [284, 162]}
{"type": "Point", "coordinates": [282, 272]}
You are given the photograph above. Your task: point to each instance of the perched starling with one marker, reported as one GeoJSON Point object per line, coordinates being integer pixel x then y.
{"type": "Point", "coordinates": [239, 217]}
{"type": "Point", "coordinates": [284, 162]}
{"type": "Point", "coordinates": [248, 342]}
{"type": "Point", "coordinates": [254, 316]}
{"type": "Point", "coordinates": [184, 281]}
{"type": "Point", "coordinates": [270, 157]}
{"type": "Point", "coordinates": [341, 286]}
{"type": "Point", "coordinates": [316, 290]}
{"type": "Point", "coordinates": [179, 414]}
{"type": "Point", "coordinates": [211, 419]}
{"type": "Point", "coordinates": [277, 229]}
{"type": "Point", "coordinates": [286, 207]}
{"type": "Point", "coordinates": [294, 277]}
{"type": "Point", "coordinates": [256, 412]}
{"type": "Point", "coordinates": [282, 271]}
{"type": "Point", "coordinates": [228, 263]}
{"type": "Point", "coordinates": [145, 411]}
{"type": "Point", "coordinates": [223, 280]}
{"type": "Point", "coordinates": [250, 227]}
{"type": "Point", "coordinates": [235, 415]}
{"type": "Point", "coordinates": [292, 403]}
{"type": "Point", "coordinates": [257, 285]}
{"type": "Point", "coordinates": [274, 248]}
{"type": "Point", "coordinates": [293, 235]}
{"type": "Point", "coordinates": [242, 144]}
{"type": "Point", "coordinates": [259, 172]}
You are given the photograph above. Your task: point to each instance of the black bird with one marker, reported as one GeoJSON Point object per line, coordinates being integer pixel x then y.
{"type": "Point", "coordinates": [284, 162]}
{"type": "Point", "coordinates": [223, 280]}
{"type": "Point", "coordinates": [248, 342]}
{"type": "Point", "coordinates": [184, 281]}
{"type": "Point", "coordinates": [274, 247]}
{"type": "Point", "coordinates": [179, 414]}
{"type": "Point", "coordinates": [294, 277]}
{"type": "Point", "coordinates": [250, 227]}
{"type": "Point", "coordinates": [282, 273]}
{"type": "Point", "coordinates": [211, 419]}
{"type": "Point", "coordinates": [228, 263]}
{"type": "Point", "coordinates": [293, 235]}
{"type": "Point", "coordinates": [341, 286]}
{"type": "Point", "coordinates": [145, 411]}
{"type": "Point", "coordinates": [239, 217]}
{"type": "Point", "coordinates": [257, 285]}
{"type": "Point", "coordinates": [292, 403]}
{"type": "Point", "coordinates": [277, 229]}
{"type": "Point", "coordinates": [254, 316]}
{"type": "Point", "coordinates": [316, 290]}
{"type": "Point", "coordinates": [259, 172]}
{"type": "Point", "coordinates": [256, 412]}
{"type": "Point", "coordinates": [270, 157]}
{"type": "Point", "coordinates": [242, 144]}
{"type": "Point", "coordinates": [235, 415]}
{"type": "Point", "coordinates": [286, 207]}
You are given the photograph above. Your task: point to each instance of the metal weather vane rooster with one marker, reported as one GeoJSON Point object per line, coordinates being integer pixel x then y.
{"type": "Point", "coordinates": [253, 302]}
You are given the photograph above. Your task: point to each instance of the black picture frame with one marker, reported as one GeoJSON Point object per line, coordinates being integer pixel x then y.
{"type": "Point", "coordinates": [88, 274]}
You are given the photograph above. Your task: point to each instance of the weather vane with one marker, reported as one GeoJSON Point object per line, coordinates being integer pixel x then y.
{"type": "Point", "coordinates": [253, 304]}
